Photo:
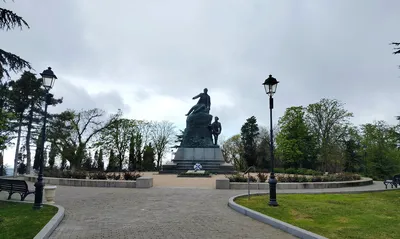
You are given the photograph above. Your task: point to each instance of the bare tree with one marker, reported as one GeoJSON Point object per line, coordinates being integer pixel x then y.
{"type": "Point", "coordinates": [117, 137]}
{"type": "Point", "coordinates": [162, 135]}
{"type": "Point", "coordinates": [72, 132]}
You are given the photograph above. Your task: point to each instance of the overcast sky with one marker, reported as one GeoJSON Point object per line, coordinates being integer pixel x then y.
{"type": "Point", "coordinates": [149, 58]}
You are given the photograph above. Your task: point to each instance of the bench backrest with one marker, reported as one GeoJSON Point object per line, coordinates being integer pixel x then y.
{"type": "Point", "coordinates": [14, 185]}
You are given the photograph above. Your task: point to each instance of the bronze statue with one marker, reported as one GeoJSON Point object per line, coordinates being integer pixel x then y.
{"type": "Point", "coordinates": [203, 104]}
{"type": "Point", "coordinates": [216, 129]}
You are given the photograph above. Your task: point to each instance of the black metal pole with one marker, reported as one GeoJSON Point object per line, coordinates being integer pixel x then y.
{"type": "Point", "coordinates": [272, 180]}
{"type": "Point", "coordinates": [39, 185]}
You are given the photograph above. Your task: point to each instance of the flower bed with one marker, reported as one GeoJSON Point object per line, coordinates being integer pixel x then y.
{"type": "Point", "coordinates": [55, 173]}
{"type": "Point", "coordinates": [205, 174]}
{"type": "Point", "coordinates": [294, 178]}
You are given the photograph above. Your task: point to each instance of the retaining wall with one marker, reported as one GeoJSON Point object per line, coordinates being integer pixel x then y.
{"type": "Point", "coordinates": [144, 182]}
{"type": "Point", "coordinates": [223, 183]}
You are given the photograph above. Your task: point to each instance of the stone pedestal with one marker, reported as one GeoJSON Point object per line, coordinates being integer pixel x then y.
{"type": "Point", "coordinates": [211, 160]}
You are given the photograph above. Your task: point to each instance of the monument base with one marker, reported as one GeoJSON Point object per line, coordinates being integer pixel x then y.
{"type": "Point", "coordinates": [211, 160]}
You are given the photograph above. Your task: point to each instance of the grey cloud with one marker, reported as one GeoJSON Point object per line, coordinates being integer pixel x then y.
{"type": "Point", "coordinates": [78, 98]}
{"type": "Point", "coordinates": [333, 49]}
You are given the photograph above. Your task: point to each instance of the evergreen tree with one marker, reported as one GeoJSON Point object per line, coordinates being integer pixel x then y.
{"type": "Point", "coordinates": [87, 161]}
{"type": "Point", "coordinates": [132, 155]}
{"type": "Point", "coordinates": [52, 155]}
{"type": "Point", "coordinates": [36, 162]}
{"type": "Point", "coordinates": [148, 158]}
{"type": "Point", "coordinates": [63, 164]}
{"type": "Point", "coordinates": [138, 149]}
{"type": "Point", "coordinates": [8, 62]}
{"type": "Point", "coordinates": [95, 160]}
{"type": "Point", "coordinates": [100, 161]}
{"type": "Point", "coordinates": [249, 134]}
{"type": "Point", "coordinates": [112, 162]}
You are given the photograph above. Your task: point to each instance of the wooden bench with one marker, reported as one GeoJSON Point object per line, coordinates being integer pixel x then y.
{"type": "Point", "coordinates": [15, 186]}
{"type": "Point", "coordinates": [395, 181]}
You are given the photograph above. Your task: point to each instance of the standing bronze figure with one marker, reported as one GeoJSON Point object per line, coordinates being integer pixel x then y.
{"type": "Point", "coordinates": [216, 129]}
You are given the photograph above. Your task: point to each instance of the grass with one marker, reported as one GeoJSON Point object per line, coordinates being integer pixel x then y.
{"type": "Point", "coordinates": [19, 220]}
{"type": "Point", "coordinates": [365, 215]}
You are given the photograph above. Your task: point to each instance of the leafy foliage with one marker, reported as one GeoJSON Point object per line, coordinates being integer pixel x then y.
{"type": "Point", "coordinates": [296, 143]}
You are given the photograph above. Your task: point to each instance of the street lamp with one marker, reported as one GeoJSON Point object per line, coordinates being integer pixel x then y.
{"type": "Point", "coordinates": [48, 79]}
{"type": "Point", "coordinates": [270, 85]}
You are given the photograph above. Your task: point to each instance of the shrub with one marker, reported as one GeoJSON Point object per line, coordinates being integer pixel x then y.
{"type": "Point", "coordinates": [98, 175]}
{"type": "Point", "coordinates": [117, 176]}
{"type": "Point", "coordinates": [79, 175]}
{"type": "Point", "coordinates": [316, 179]}
{"type": "Point", "coordinates": [291, 171]}
{"type": "Point", "coordinates": [52, 173]}
{"type": "Point", "coordinates": [279, 170]}
{"type": "Point", "coordinates": [262, 177]}
{"type": "Point", "coordinates": [66, 174]}
{"type": "Point", "coordinates": [131, 175]}
{"type": "Point", "coordinates": [339, 177]}
{"type": "Point", "coordinates": [21, 168]}
{"type": "Point", "coordinates": [240, 178]}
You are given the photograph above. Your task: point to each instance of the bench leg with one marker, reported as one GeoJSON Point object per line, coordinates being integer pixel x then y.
{"type": "Point", "coordinates": [9, 196]}
{"type": "Point", "coordinates": [23, 196]}
{"type": "Point", "coordinates": [386, 186]}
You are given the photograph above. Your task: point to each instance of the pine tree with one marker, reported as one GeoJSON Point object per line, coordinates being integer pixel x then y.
{"type": "Point", "coordinates": [112, 162]}
{"type": "Point", "coordinates": [138, 149]}
{"type": "Point", "coordinates": [8, 61]}
{"type": "Point", "coordinates": [36, 162]}
{"type": "Point", "coordinates": [63, 164]}
{"type": "Point", "coordinates": [87, 161]}
{"type": "Point", "coordinates": [100, 161]}
{"type": "Point", "coordinates": [148, 158]}
{"type": "Point", "coordinates": [249, 133]}
{"type": "Point", "coordinates": [132, 155]}
{"type": "Point", "coordinates": [52, 155]}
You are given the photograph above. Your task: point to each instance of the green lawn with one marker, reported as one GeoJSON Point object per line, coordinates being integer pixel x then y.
{"type": "Point", "coordinates": [366, 215]}
{"type": "Point", "coordinates": [19, 220]}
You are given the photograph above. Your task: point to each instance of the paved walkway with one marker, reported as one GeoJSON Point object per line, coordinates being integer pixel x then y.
{"type": "Point", "coordinates": [162, 212]}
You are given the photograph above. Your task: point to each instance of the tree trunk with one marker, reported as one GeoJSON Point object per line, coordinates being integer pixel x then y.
{"type": "Point", "coordinates": [28, 141]}
{"type": "Point", "coordinates": [159, 161]}
{"type": "Point", "coordinates": [17, 146]}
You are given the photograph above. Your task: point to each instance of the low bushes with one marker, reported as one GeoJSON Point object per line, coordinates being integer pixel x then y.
{"type": "Point", "coordinates": [98, 176]}
{"type": "Point", "coordinates": [290, 178]}
{"type": "Point", "coordinates": [240, 178]}
{"type": "Point", "coordinates": [56, 173]}
{"type": "Point", "coordinates": [131, 175]}
{"type": "Point", "coordinates": [302, 171]}
{"type": "Point", "coordinates": [328, 178]}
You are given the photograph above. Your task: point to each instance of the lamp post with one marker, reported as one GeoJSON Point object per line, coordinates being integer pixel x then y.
{"type": "Point", "coordinates": [48, 79]}
{"type": "Point", "coordinates": [270, 85]}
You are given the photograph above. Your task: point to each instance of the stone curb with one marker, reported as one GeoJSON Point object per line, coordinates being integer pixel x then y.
{"type": "Point", "coordinates": [293, 230]}
{"type": "Point", "coordinates": [51, 225]}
